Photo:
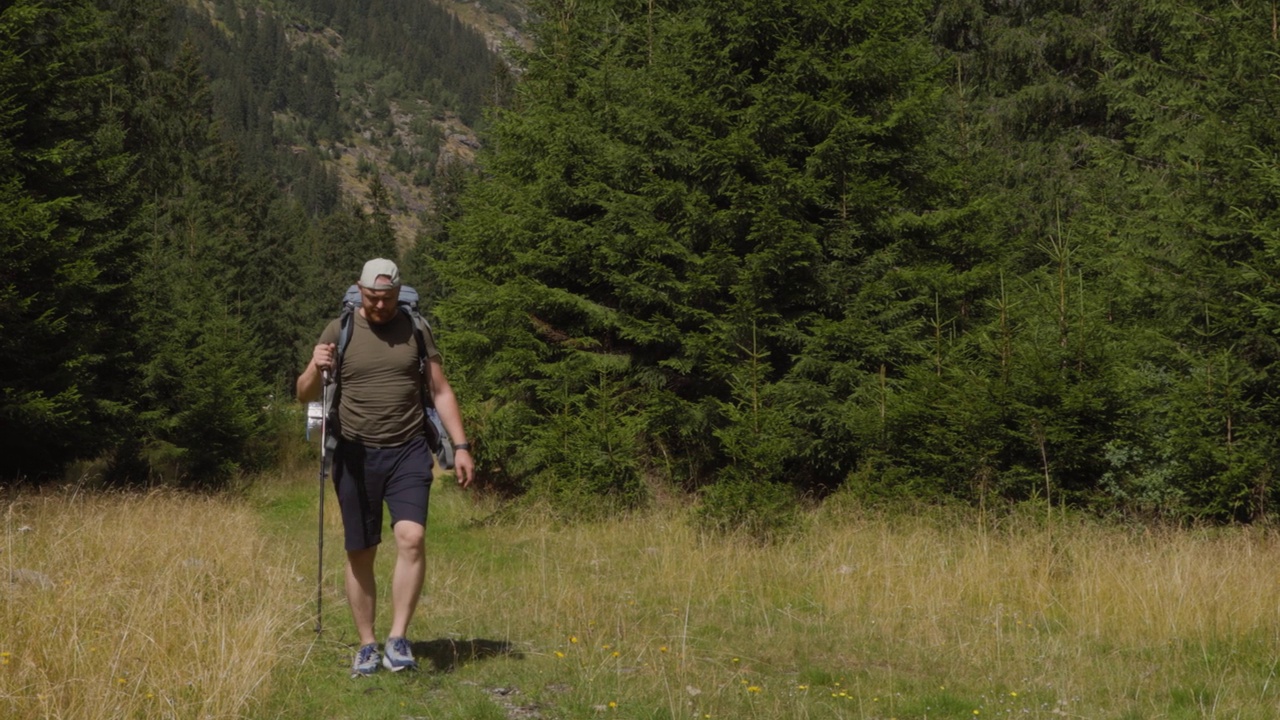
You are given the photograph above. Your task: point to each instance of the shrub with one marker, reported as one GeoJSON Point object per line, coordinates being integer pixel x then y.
{"type": "Point", "coordinates": [763, 510]}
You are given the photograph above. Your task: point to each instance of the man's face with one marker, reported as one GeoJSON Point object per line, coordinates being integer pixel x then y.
{"type": "Point", "coordinates": [380, 305]}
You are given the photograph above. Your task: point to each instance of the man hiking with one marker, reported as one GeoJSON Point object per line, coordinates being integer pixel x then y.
{"type": "Point", "coordinates": [382, 452]}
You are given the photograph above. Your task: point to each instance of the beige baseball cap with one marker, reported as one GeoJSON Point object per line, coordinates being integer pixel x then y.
{"type": "Point", "coordinates": [375, 268]}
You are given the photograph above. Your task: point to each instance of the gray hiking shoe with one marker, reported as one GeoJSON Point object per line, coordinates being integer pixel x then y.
{"type": "Point", "coordinates": [397, 655]}
{"type": "Point", "coordinates": [366, 662]}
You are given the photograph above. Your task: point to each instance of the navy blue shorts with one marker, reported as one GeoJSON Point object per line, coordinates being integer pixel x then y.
{"type": "Point", "coordinates": [365, 477]}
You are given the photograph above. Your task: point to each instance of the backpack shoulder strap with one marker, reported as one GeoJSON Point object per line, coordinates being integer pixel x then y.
{"type": "Point", "coordinates": [433, 433]}
{"type": "Point", "coordinates": [350, 302]}
{"type": "Point", "coordinates": [345, 326]}
{"type": "Point", "coordinates": [419, 323]}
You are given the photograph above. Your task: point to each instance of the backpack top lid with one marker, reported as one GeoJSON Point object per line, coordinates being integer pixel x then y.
{"type": "Point", "coordinates": [408, 298]}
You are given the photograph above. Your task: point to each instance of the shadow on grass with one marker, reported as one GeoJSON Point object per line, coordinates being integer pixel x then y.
{"type": "Point", "coordinates": [448, 655]}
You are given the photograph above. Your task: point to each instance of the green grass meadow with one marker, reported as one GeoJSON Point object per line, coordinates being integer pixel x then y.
{"type": "Point", "coordinates": [175, 606]}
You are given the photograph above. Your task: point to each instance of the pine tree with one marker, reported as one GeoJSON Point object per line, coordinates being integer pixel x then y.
{"type": "Point", "coordinates": [67, 196]}
{"type": "Point", "coordinates": [682, 192]}
{"type": "Point", "coordinates": [1195, 213]}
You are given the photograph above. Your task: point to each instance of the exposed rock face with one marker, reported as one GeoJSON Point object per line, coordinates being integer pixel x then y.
{"type": "Point", "coordinates": [459, 143]}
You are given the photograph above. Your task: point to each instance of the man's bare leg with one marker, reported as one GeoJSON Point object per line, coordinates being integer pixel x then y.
{"type": "Point", "coordinates": [362, 591]}
{"type": "Point", "coordinates": [410, 570]}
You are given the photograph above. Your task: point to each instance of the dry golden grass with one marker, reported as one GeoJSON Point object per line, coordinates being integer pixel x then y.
{"type": "Point", "coordinates": [1104, 619]}
{"type": "Point", "coordinates": [140, 606]}
{"type": "Point", "coordinates": [868, 616]}
{"type": "Point", "coordinates": [170, 605]}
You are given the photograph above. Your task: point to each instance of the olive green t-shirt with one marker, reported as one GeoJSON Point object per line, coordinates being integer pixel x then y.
{"type": "Point", "coordinates": [380, 403]}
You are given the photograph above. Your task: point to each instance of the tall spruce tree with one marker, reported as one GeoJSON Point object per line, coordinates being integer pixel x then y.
{"type": "Point", "coordinates": [67, 197]}
{"type": "Point", "coordinates": [1027, 387]}
{"type": "Point", "coordinates": [684, 197]}
{"type": "Point", "coordinates": [1196, 213]}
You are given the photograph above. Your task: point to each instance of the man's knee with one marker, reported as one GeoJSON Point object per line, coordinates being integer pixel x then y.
{"type": "Point", "coordinates": [409, 535]}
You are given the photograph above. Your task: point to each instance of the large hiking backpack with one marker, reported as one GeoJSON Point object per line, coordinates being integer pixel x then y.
{"type": "Point", "coordinates": [437, 438]}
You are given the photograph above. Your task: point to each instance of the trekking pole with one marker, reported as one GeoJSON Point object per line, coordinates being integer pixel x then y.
{"type": "Point", "coordinates": [324, 446]}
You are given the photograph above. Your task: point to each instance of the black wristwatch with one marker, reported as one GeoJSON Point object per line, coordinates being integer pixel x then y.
{"type": "Point", "coordinates": [462, 446]}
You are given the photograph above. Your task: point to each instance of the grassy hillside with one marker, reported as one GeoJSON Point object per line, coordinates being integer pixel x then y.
{"type": "Point", "coordinates": [400, 135]}
{"type": "Point", "coordinates": [412, 123]}
{"type": "Point", "coordinates": [372, 94]}
{"type": "Point", "coordinates": [502, 22]}
{"type": "Point", "coordinates": [162, 605]}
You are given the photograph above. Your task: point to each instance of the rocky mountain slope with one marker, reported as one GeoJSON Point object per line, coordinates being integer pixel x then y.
{"type": "Point", "coordinates": [370, 151]}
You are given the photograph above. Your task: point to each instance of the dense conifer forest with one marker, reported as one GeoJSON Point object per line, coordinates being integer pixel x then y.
{"type": "Point", "coordinates": [174, 230]}
{"type": "Point", "coordinates": [943, 249]}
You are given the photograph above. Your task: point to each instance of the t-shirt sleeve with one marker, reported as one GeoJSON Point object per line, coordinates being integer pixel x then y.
{"type": "Point", "coordinates": [330, 333]}
{"type": "Point", "coordinates": [429, 341]}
